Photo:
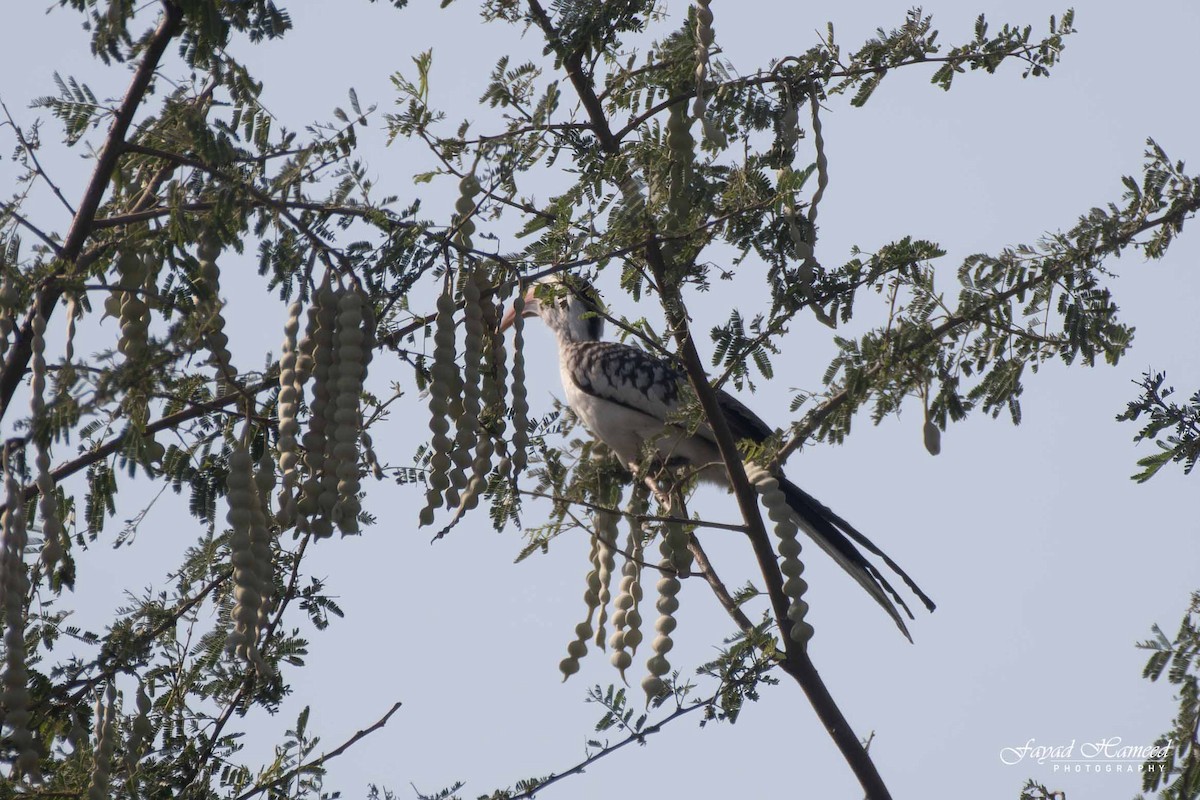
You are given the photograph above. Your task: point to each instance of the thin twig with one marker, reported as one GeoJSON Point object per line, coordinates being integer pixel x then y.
{"type": "Point", "coordinates": [316, 763]}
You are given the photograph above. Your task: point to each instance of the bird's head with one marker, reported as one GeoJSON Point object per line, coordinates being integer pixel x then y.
{"type": "Point", "coordinates": [568, 305]}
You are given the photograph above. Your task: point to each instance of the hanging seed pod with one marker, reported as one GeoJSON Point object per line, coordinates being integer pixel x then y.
{"type": "Point", "coordinates": [520, 394]}
{"type": "Point", "coordinates": [577, 649]}
{"type": "Point", "coordinates": [9, 297]}
{"type": "Point", "coordinates": [369, 456]}
{"type": "Point", "coordinates": [77, 734]}
{"type": "Point", "coordinates": [668, 603]}
{"type": "Point", "coordinates": [491, 393]}
{"type": "Point", "coordinates": [468, 435]}
{"type": "Point", "coordinates": [443, 396]}
{"type": "Point", "coordinates": [130, 308]}
{"type": "Point", "coordinates": [348, 414]}
{"type": "Point", "coordinates": [464, 207]}
{"type": "Point", "coordinates": [789, 125]}
{"type": "Point", "coordinates": [327, 497]}
{"type": "Point", "coordinates": [47, 497]}
{"type": "Point", "coordinates": [932, 435]}
{"type": "Point", "coordinates": [794, 586]}
{"type": "Point", "coordinates": [627, 620]}
{"type": "Point", "coordinates": [244, 520]}
{"type": "Point", "coordinates": [606, 536]}
{"type": "Point", "coordinates": [73, 314]}
{"type": "Point", "coordinates": [822, 160]}
{"type": "Point", "coordinates": [14, 588]}
{"type": "Point", "coordinates": [496, 377]}
{"type": "Point", "coordinates": [681, 148]}
{"type": "Point", "coordinates": [704, 40]}
{"type": "Point", "coordinates": [140, 731]}
{"type": "Point", "coordinates": [319, 489]}
{"type": "Point", "coordinates": [106, 742]}
{"type": "Point", "coordinates": [305, 347]}
{"type": "Point", "coordinates": [290, 392]}
{"type": "Point", "coordinates": [209, 303]}
{"type": "Point", "coordinates": [261, 539]}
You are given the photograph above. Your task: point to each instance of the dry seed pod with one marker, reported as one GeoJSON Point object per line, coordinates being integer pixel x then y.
{"type": "Point", "coordinates": [261, 539]}
{"type": "Point", "coordinates": [681, 147]}
{"type": "Point", "coordinates": [77, 734]}
{"type": "Point", "coordinates": [790, 565]}
{"type": "Point", "coordinates": [245, 549]}
{"type": "Point", "coordinates": [289, 427]}
{"type": "Point", "coordinates": [496, 377]}
{"type": "Point", "coordinates": [606, 536]}
{"type": "Point", "coordinates": [47, 499]}
{"type": "Point", "coordinates": [577, 649]}
{"type": "Point", "coordinates": [130, 309]}
{"type": "Point", "coordinates": [209, 302]}
{"type": "Point", "coordinates": [9, 297]}
{"type": "Point", "coordinates": [464, 207]}
{"type": "Point", "coordinates": [348, 415]}
{"type": "Point", "coordinates": [668, 603]}
{"type": "Point", "coordinates": [443, 394]}
{"type": "Point", "coordinates": [14, 587]}
{"type": "Point", "coordinates": [520, 394]}
{"type": "Point", "coordinates": [320, 486]}
{"type": "Point", "coordinates": [490, 392]}
{"type": "Point", "coordinates": [73, 313]}
{"type": "Point", "coordinates": [106, 735]}
{"type": "Point", "coordinates": [704, 40]}
{"type": "Point", "coordinates": [627, 621]}
{"type": "Point", "coordinates": [932, 435]}
{"type": "Point", "coordinates": [468, 436]}
{"type": "Point", "coordinates": [370, 457]}
{"type": "Point", "coordinates": [789, 125]}
{"type": "Point", "coordinates": [140, 730]}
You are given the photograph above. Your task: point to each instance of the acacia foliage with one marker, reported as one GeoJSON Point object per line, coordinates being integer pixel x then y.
{"type": "Point", "coordinates": [202, 159]}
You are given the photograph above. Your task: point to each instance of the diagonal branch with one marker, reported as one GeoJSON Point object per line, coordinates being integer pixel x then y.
{"type": "Point", "coordinates": [17, 360]}
{"type": "Point", "coordinates": [317, 763]}
{"type": "Point", "coordinates": [796, 662]}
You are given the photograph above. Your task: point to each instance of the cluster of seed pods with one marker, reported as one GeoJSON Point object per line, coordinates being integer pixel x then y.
{"type": "Point", "coordinates": [14, 588]}
{"type": "Point", "coordinates": [676, 560]}
{"type": "Point", "coordinates": [471, 400]}
{"type": "Point", "coordinates": [338, 345]}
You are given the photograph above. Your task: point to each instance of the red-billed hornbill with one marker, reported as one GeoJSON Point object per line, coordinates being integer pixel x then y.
{"type": "Point", "coordinates": [625, 397]}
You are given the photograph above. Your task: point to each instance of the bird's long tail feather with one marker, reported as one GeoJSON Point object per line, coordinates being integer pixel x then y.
{"type": "Point", "coordinates": [837, 538]}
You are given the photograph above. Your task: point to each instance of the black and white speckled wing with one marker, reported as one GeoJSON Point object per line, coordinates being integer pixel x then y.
{"type": "Point", "coordinates": [618, 373]}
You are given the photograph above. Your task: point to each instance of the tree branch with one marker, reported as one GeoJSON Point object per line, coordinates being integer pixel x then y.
{"type": "Point", "coordinates": [796, 662]}
{"type": "Point", "coordinates": [17, 360]}
{"type": "Point", "coordinates": [316, 763]}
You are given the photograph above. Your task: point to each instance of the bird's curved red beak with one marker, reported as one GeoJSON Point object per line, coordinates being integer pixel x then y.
{"type": "Point", "coordinates": [510, 316]}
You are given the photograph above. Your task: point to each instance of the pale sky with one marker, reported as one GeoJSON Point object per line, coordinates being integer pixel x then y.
{"type": "Point", "coordinates": [1047, 562]}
